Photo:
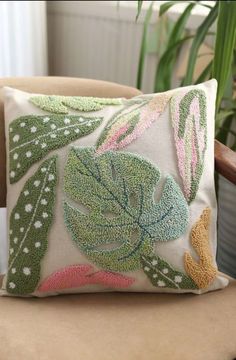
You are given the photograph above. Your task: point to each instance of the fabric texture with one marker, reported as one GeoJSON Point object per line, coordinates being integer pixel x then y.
{"type": "Point", "coordinates": [111, 194]}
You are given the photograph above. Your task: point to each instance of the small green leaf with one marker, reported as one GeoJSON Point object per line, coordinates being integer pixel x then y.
{"type": "Point", "coordinates": [162, 274]}
{"type": "Point", "coordinates": [123, 219]}
{"type": "Point", "coordinates": [32, 137]}
{"type": "Point", "coordinates": [30, 222]}
{"type": "Point", "coordinates": [60, 104]}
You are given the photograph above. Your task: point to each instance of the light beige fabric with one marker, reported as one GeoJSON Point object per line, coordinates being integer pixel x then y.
{"type": "Point", "coordinates": [120, 326]}
{"type": "Point", "coordinates": [156, 145]}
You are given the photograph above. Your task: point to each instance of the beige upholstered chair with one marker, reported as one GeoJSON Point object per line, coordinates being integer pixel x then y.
{"type": "Point", "coordinates": [115, 326]}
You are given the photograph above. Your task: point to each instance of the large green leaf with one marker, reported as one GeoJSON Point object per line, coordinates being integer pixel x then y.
{"type": "Point", "coordinates": [224, 46]}
{"type": "Point", "coordinates": [59, 104]}
{"type": "Point", "coordinates": [166, 64]}
{"type": "Point", "coordinates": [30, 222]}
{"type": "Point", "coordinates": [32, 137]}
{"type": "Point", "coordinates": [161, 274]}
{"type": "Point", "coordinates": [123, 220]}
{"type": "Point", "coordinates": [200, 35]}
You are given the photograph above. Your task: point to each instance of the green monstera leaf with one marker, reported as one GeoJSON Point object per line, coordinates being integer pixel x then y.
{"type": "Point", "coordinates": [162, 274]}
{"type": "Point", "coordinates": [30, 222]}
{"type": "Point", "coordinates": [120, 219]}
{"type": "Point", "coordinates": [32, 137]}
{"type": "Point", "coordinates": [60, 104]}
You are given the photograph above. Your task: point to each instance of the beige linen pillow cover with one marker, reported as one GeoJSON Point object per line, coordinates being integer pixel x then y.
{"type": "Point", "coordinates": [111, 194]}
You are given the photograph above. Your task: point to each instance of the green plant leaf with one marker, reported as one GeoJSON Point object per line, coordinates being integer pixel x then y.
{"type": "Point", "coordinates": [123, 220]}
{"type": "Point", "coordinates": [143, 48]}
{"type": "Point", "coordinates": [139, 3]}
{"type": "Point", "coordinates": [30, 222]}
{"type": "Point", "coordinates": [200, 35]}
{"type": "Point", "coordinates": [224, 47]}
{"type": "Point", "coordinates": [162, 274]}
{"type": "Point", "coordinates": [32, 137]}
{"type": "Point", "coordinates": [60, 104]}
{"type": "Point", "coordinates": [164, 74]}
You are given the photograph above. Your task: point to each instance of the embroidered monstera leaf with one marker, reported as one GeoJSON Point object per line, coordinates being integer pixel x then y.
{"type": "Point", "coordinates": [74, 276]}
{"type": "Point", "coordinates": [30, 222]}
{"type": "Point", "coordinates": [32, 137]}
{"type": "Point", "coordinates": [188, 112]}
{"type": "Point", "coordinates": [123, 220]}
{"type": "Point", "coordinates": [162, 274]}
{"type": "Point", "coordinates": [60, 104]}
{"type": "Point", "coordinates": [129, 123]}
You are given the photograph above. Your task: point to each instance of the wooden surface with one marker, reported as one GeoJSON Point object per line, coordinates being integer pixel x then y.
{"type": "Point", "coordinates": [225, 162]}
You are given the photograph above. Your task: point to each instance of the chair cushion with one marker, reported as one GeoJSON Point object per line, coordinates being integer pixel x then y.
{"type": "Point", "coordinates": [120, 326]}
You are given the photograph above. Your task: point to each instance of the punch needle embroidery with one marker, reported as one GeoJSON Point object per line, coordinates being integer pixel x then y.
{"type": "Point", "coordinates": [189, 120]}
{"type": "Point", "coordinates": [30, 222]}
{"type": "Point", "coordinates": [124, 219]}
{"type": "Point", "coordinates": [203, 272]}
{"type": "Point", "coordinates": [129, 123]}
{"type": "Point", "coordinates": [33, 137]}
{"type": "Point", "coordinates": [60, 104]}
{"type": "Point", "coordinates": [74, 276]}
{"type": "Point", "coordinates": [161, 274]}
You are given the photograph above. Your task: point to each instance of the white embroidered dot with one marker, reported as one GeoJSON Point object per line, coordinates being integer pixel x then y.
{"type": "Point", "coordinates": [53, 136]}
{"type": "Point", "coordinates": [22, 229]}
{"type": "Point", "coordinates": [146, 268]}
{"type": "Point", "coordinates": [12, 174]}
{"type": "Point", "coordinates": [22, 124]}
{"type": "Point", "coordinates": [33, 129]}
{"type": "Point", "coordinates": [43, 169]}
{"type": "Point", "coordinates": [36, 142]}
{"type": "Point", "coordinates": [51, 177]}
{"type": "Point", "coordinates": [36, 183]}
{"type": "Point", "coordinates": [10, 129]}
{"type": "Point", "coordinates": [154, 276]}
{"type": "Point", "coordinates": [81, 119]}
{"type": "Point", "coordinates": [26, 271]}
{"type": "Point", "coordinates": [12, 285]}
{"type": "Point", "coordinates": [17, 216]}
{"type": "Point", "coordinates": [53, 126]}
{"type": "Point", "coordinates": [66, 132]}
{"type": "Point", "coordinates": [37, 224]}
{"type": "Point", "coordinates": [43, 145]}
{"type": "Point", "coordinates": [165, 271]}
{"type": "Point", "coordinates": [89, 124]}
{"type": "Point", "coordinates": [15, 240]}
{"type": "Point", "coordinates": [154, 262]}
{"type": "Point", "coordinates": [18, 165]}
{"type": "Point", "coordinates": [67, 121]}
{"type": "Point", "coordinates": [47, 189]}
{"type": "Point", "coordinates": [44, 215]}
{"type": "Point", "coordinates": [26, 192]}
{"type": "Point", "coordinates": [28, 208]}
{"type": "Point", "coordinates": [28, 154]}
{"type": "Point", "coordinates": [10, 232]}
{"type": "Point", "coordinates": [178, 279]}
{"type": "Point", "coordinates": [37, 244]}
{"type": "Point", "coordinates": [77, 131]}
{"type": "Point", "coordinates": [46, 119]}
{"type": "Point", "coordinates": [26, 250]}
{"type": "Point", "coordinates": [161, 283]}
{"type": "Point", "coordinates": [44, 202]}
{"type": "Point", "coordinates": [16, 138]}
{"type": "Point", "coordinates": [11, 251]}
{"type": "Point", "coordinates": [13, 270]}
{"type": "Point", "coordinates": [15, 156]}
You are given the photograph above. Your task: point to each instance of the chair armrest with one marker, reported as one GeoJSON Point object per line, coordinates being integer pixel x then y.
{"type": "Point", "coordinates": [225, 161]}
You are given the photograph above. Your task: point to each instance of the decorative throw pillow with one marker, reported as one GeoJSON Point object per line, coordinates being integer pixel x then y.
{"type": "Point", "coordinates": [111, 194]}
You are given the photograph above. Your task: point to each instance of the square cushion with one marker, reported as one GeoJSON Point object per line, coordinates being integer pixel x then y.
{"type": "Point", "coordinates": [111, 194]}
